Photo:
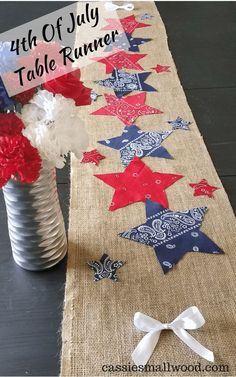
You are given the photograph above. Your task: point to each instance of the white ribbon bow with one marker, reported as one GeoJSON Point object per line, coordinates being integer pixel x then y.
{"type": "Point", "coordinates": [189, 319]}
{"type": "Point", "coordinates": [111, 7]}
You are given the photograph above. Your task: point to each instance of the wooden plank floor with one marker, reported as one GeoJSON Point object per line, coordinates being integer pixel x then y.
{"type": "Point", "coordinates": [202, 41]}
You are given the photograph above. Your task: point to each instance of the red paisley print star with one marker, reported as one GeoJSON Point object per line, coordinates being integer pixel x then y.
{"type": "Point", "coordinates": [121, 59]}
{"type": "Point", "coordinates": [203, 188]}
{"type": "Point", "coordinates": [161, 68]}
{"type": "Point", "coordinates": [126, 109]}
{"type": "Point", "coordinates": [126, 24]}
{"type": "Point", "coordinates": [93, 156]}
{"type": "Point", "coordinates": [138, 183]}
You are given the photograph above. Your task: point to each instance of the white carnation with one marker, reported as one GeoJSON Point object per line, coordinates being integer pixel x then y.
{"type": "Point", "coordinates": [53, 127]}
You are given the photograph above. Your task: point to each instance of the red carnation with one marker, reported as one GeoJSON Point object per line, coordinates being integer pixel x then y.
{"type": "Point", "coordinates": [70, 86]}
{"type": "Point", "coordinates": [30, 162]}
{"type": "Point", "coordinates": [18, 158]}
{"type": "Point", "coordinates": [10, 125]}
{"type": "Point", "coordinates": [24, 97]}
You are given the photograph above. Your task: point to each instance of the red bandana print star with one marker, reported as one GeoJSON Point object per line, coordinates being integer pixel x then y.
{"type": "Point", "coordinates": [162, 68]}
{"type": "Point", "coordinates": [121, 59]}
{"type": "Point", "coordinates": [126, 24]}
{"type": "Point", "coordinates": [138, 183]}
{"type": "Point", "coordinates": [93, 156]}
{"type": "Point", "coordinates": [203, 188]}
{"type": "Point", "coordinates": [126, 109]}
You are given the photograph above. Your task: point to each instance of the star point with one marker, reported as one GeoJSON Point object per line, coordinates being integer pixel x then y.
{"type": "Point", "coordinates": [126, 109]}
{"type": "Point", "coordinates": [172, 234]}
{"type": "Point", "coordinates": [138, 183]}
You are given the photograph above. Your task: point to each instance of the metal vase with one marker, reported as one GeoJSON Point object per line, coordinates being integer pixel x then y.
{"type": "Point", "coordinates": [35, 222]}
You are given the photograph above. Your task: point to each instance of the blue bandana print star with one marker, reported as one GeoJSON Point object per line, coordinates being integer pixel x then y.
{"type": "Point", "coordinates": [179, 123]}
{"type": "Point", "coordinates": [134, 142]}
{"type": "Point", "coordinates": [124, 83]}
{"type": "Point", "coordinates": [172, 234]}
{"type": "Point", "coordinates": [125, 41]}
{"type": "Point", "coordinates": [105, 268]}
{"type": "Point", "coordinates": [146, 16]}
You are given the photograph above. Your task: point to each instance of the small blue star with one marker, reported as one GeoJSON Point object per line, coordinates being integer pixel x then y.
{"type": "Point", "coordinates": [146, 16]}
{"type": "Point", "coordinates": [105, 268]}
{"type": "Point", "coordinates": [179, 123]}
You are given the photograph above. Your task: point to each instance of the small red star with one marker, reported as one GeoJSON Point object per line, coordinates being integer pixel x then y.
{"type": "Point", "coordinates": [93, 156]}
{"type": "Point", "coordinates": [138, 183]}
{"type": "Point", "coordinates": [162, 68]}
{"type": "Point", "coordinates": [126, 24]}
{"type": "Point", "coordinates": [121, 59]}
{"type": "Point", "coordinates": [126, 109]}
{"type": "Point", "coordinates": [203, 188]}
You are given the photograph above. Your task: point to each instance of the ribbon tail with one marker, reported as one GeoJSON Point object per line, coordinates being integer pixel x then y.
{"type": "Point", "coordinates": [145, 348]}
{"type": "Point", "coordinates": [194, 344]}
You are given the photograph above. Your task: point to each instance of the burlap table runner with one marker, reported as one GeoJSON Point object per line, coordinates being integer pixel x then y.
{"type": "Point", "coordinates": [98, 317]}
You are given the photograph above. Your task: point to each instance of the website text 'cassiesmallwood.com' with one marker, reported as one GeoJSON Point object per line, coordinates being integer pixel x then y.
{"type": "Point", "coordinates": [167, 367]}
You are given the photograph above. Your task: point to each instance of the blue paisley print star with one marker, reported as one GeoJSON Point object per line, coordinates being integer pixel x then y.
{"type": "Point", "coordinates": [179, 123]}
{"type": "Point", "coordinates": [135, 142]}
{"type": "Point", "coordinates": [125, 41]}
{"type": "Point", "coordinates": [172, 233]}
{"type": "Point", "coordinates": [105, 268]}
{"type": "Point", "coordinates": [124, 82]}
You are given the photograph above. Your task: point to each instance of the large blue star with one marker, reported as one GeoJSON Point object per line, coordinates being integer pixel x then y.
{"type": "Point", "coordinates": [124, 82]}
{"type": "Point", "coordinates": [125, 41]}
{"type": "Point", "coordinates": [172, 234]}
{"type": "Point", "coordinates": [134, 142]}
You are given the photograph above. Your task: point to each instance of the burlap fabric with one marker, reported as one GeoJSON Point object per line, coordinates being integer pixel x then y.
{"type": "Point", "coordinates": [98, 325]}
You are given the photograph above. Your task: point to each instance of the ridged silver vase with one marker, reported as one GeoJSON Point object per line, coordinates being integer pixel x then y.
{"type": "Point", "coordinates": [35, 222]}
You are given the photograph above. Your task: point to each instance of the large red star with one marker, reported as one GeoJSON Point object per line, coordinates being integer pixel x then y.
{"type": "Point", "coordinates": [126, 109]}
{"type": "Point", "coordinates": [161, 68]}
{"type": "Point", "coordinates": [126, 24]}
{"type": "Point", "coordinates": [203, 188]}
{"type": "Point", "coordinates": [121, 59]}
{"type": "Point", "coordinates": [138, 183]}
